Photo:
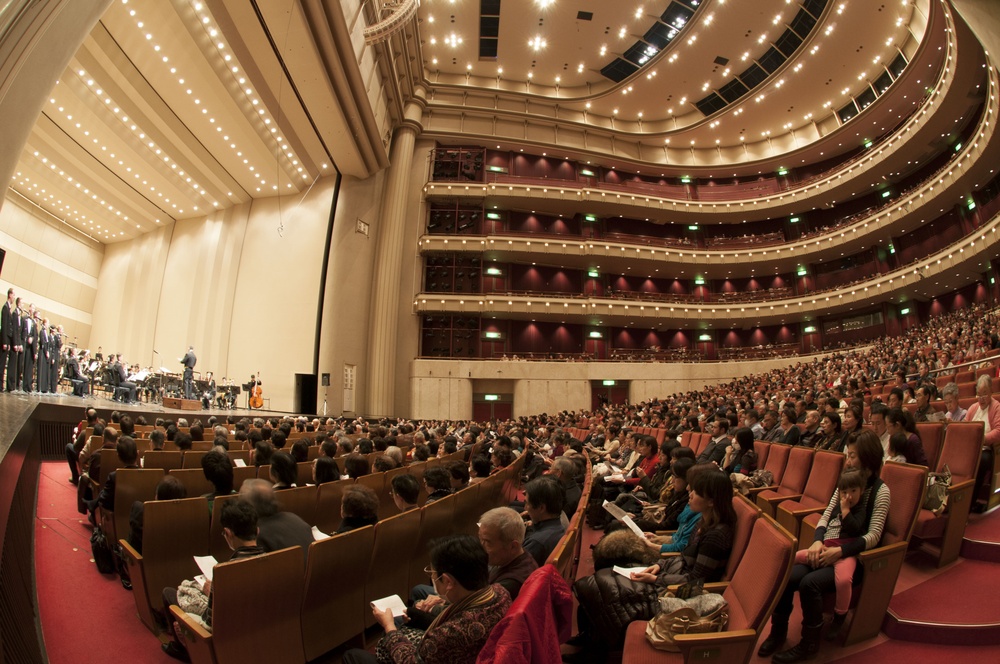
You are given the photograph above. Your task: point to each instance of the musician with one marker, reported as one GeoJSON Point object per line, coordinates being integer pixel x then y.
{"type": "Point", "coordinates": [251, 386]}
{"type": "Point", "coordinates": [58, 343]}
{"type": "Point", "coordinates": [189, 360]}
{"type": "Point", "coordinates": [123, 380]}
{"type": "Point", "coordinates": [7, 337]}
{"type": "Point", "coordinates": [44, 367]}
{"type": "Point", "coordinates": [99, 356]}
{"type": "Point", "coordinates": [14, 381]}
{"type": "Point", "coordinates": [74, 375]}
{"type": "Point", "coordinates": [209, 395]}
{"type": "Point", "coordinates": [29, 337]}
{"type": "Point", "coordinates": [53, 358]}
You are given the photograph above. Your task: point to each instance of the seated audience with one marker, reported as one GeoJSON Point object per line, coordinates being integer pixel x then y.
{"type": "Point", "coordinates": [218, 469]}
{"type": "Point", "coordinates": [437, 483]}
{"type": "Point", "coordinates": [169, 488]}
{"type": "Point", "coordinates": [355, 466]}
{"type": "Point", "coordinates": [459, 573]}
{"type": "Point", "coordinates": [284, 470]}
{"type": "Point", "coordinates": [405, 492]}
{"type": "Point", "coordinates": [358, 508]}
{"type": "Point", "coordinates": [325, 469]}
{"type": "Point", "coordinates": [278, 530]}
{"type": "Point", "coordinates": [544, 505]}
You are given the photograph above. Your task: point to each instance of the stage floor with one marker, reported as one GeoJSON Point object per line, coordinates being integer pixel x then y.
{"type": "Point", "coordinates": [15, 408]}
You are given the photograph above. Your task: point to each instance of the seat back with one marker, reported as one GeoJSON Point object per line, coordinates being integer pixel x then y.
{"type": "Point", "coordinates": [931, 435]}
{"type": "Point", "coordinates": [796, 473]}
{"type": "Point", "coordinates": [777, 459]}
{"type": "Point", "coordinates": [823, 476]}
{"type": "Point", "coordinates": [907, 486]}
{"type": "Point", "coordinates": [328, 505]}
{"type": "Point", "coordinates": [755, 586]}
{"type": "Point", "coordinates": [417, 470]}
{"type": "Point", "coordinates": [304, 473]}
{"type": "Point", "coordinates": [436, 521]}
{"type": "Point", "coordinates": [301, 501]}
{"type": "Point", "coordinates": [239, 589]}
{"type": "Point", "coordinates": [388, 574]}
{"type": "Point", "coordinates": [241, 474]}
{"type": "Point", "coordinates": [166, 459]}
{"type": "Point", "coordinates": [192, 458]}
{"type": "Point", "coordinates": [109, 462]}
{"type": "Point", "coordinates": [746, 515]}
{"type": "Point", "coordinates": [966, 390]}
{"type": "Point", "coordinates": [194, 481]}
{"type": "Point", "coordinates": [333, 602]}
{"type": "Point", "coordinates": [468, 509]}
{"type": "Point", "coordinates": [686, 439]}
{"type": "Point", "coordinates": [132, 484]}
{"type": "Point", "coordinates": [963, 442]}
{"type": "Point", "coordinates": [174, 531]}
{"type": "Point", "coordinates": [374, 481]}
{"type": "Point", "coordinates": [763, 450]}
{"type": "Point", "coordinates": [216, 540]}
{"type": "Point", "coordinates": [703, 440]}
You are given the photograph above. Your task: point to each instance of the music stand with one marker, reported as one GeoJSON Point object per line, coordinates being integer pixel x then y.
{"type": "Point", "coordinates": [246, 388]}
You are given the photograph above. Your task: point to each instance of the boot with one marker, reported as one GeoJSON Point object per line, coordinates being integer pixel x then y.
{"type": "Point", "coordinates": [776, 638]}
{"type": "Point", "coordinates": [804, 649]}
{"type": "Point", "coordinates": [836, 626]}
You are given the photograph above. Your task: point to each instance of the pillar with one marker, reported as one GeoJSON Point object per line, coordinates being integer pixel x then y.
{"type": "Point", "coordinates": [390, 244]}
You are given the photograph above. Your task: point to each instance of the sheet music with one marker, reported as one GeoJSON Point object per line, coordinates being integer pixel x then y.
{"type": "Point", "coordinates": [206, 564]}
{"type": "Point", "coordinates": [615, 511]}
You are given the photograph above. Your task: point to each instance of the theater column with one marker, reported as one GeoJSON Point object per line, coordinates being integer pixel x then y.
{"type": "Point", "coordinates": [391, 242]}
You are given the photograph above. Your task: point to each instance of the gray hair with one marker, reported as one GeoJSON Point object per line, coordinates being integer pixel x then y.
{"type": "Point", "coordinates": [984, 382]}
{"type": "Point", "coordinates": [396, 453]}
{"type": "Point", "coordinates": [507, 522]}
{"type": "Point", "coordinates": [950, 389]}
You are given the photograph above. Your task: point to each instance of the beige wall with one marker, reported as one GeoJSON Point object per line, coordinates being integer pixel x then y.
{"type": "Point", "coordinates": [347, 304]}
{"type": "Point", "coordinates": [442, 389]}
{"type": "Point", "coordinates": [228, 283]}
{"type": "Point", "coordinates": [50, 265]}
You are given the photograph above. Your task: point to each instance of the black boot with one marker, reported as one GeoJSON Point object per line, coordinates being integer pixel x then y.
{"type": "Point", "coordinates": [804, 649]}
{"type": "Point", "coordinates": [776, 638]}
{"type": "Point", "coordinates": [836, 626]}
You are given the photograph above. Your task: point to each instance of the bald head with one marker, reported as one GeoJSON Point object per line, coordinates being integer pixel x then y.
{"type": "Point", "coordinates": [260, 494]}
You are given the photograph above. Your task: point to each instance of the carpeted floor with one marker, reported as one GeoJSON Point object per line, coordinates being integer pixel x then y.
{"type": "Point", "coordinates": [965, 593]}
{"type": "Point", "coordinates": [86, 618]}
{"type": "Point", "coordinates": [901, 652]}
{"type": "Point", "coordinates": [982, 537]}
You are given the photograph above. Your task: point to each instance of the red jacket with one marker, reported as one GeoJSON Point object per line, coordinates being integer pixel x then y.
{"type": "Point", "coordinates": [537, 622]}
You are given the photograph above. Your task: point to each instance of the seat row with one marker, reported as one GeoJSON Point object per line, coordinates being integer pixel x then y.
{"type": "Point", "coordinates": [315, 603]}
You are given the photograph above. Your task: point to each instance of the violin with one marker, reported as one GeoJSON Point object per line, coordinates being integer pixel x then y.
{"type": "Point", "coordinates": [256, 397]}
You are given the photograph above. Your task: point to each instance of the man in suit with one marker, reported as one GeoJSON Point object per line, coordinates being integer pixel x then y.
{"type": "Point", "coordinates": [15, 359]}
{"type": "Point", "coordinates": [29, 337]}
{"type": "Point", "coordinates": [57, 357]}
{"type": "Point", "coordinates": [189, 360]}
{"type": "Point", "coordinates": [44, 366]}
{"type": "Point", "coordinates": [74, 375]}
{"type": "Point", "coordinates": [6, 334]}
{"type": "Point", "coordinates": [123, 380]}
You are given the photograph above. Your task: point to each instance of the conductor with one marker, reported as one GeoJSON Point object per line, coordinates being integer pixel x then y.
{"type": "Point", "coordinates": [189, 360]}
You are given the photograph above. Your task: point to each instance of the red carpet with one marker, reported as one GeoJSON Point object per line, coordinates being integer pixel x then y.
{"type": "Point", "coordinates": [86, 618]}
{"type": "Point", "coordinates": [902, 652]}
{"type": "Point", "coordinates": [957, 607]}
{"type": "Point", "coordinates": [982, 537]}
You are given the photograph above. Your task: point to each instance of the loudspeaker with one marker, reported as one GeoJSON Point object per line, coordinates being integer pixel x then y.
{"type": "Point", "coordinates": [2, 254]}
{"type": "Point", "coordinates": [325, 380]}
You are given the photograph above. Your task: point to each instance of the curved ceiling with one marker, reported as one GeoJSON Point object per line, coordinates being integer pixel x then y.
{"type": "Point", "coordinates": [553, 51]}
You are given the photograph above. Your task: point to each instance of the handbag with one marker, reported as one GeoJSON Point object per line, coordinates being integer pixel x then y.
{"type": "Point", "coordinates": [937, 490]}
{"type": "Point", "coordinates": [701, 614]}
{"type": "Point", "coordinates": [101, 550]}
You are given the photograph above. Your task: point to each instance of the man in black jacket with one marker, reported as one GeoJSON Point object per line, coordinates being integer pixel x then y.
{"type": "Point", "coordinates": [6, 334]}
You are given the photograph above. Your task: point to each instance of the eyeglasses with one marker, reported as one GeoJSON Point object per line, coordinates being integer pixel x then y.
{"type": "Point", "coordinates": [429, 572]}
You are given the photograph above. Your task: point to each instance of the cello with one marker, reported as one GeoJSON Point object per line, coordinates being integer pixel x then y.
{"type": "Point", "coordinates": [256, 397]}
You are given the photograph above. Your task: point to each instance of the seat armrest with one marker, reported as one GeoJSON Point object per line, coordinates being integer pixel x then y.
{"type": "Point", "coordinates": [754, 490]}
{"type": "Point", "coordinates": [714, 587]}
{"type": "Point", "coordinates": [774, 500]}
{"type": "Point", "coordinates": [963, 486]}
{"type": "Point", "coordinates": [670, 554]}
{"type": "Point", "coordinates": [128, 552]}
{"type": "Point", "coordinates": [194, 637]}
{"type": "Point", "coordinates": [871, 557]}
{"type": "Point", "coordinates": [725, 646]}
{"type": "Point", "coordinates": [804, 511]}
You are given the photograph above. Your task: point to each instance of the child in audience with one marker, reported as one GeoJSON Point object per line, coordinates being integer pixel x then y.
{"type": "Point", "coordinates": [897, 443]}
{"type": "Point", "coordinates": [845, 523]}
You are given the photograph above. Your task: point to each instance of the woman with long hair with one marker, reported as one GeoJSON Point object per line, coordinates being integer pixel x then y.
{"type": "Point", "coordinates": [816, 577]}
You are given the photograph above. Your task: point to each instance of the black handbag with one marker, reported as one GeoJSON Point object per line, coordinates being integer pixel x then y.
{"type": "Point", "coordinates": [101, 549]}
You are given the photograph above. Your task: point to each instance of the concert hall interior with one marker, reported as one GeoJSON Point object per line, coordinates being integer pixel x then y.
{"type": "Point", "coordinates": [482, 209]}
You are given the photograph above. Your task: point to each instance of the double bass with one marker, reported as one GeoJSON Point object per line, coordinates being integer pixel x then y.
{"type": "Point", "coordinates": [256, 396]}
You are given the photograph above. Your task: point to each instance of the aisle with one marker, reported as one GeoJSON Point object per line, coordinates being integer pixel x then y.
{"type": "Point", "coordinates": [86, 617]}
